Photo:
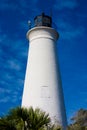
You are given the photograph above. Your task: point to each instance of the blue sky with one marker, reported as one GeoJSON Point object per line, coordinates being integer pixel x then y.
{"type": "Point", "coordinates": [70, 17]}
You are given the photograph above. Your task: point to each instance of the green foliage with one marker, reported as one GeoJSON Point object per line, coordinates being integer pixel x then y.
{"type": "Point", "coordinates": [80, 117]}
{"type": "Point", "coordinates": [76, 127]}
{"type": "Point", "coordinates": [37, 119]}
{"type": "Point", "coordinates": [25, 119]}
{"type": "Point", "coordinates": [79, 121]}
{"type": "Point", "coordinates": [7, 125]}
{"type": "Point", "coordinates": [30, 119]}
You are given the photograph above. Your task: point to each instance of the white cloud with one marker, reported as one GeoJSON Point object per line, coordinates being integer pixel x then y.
{"type": "Point", "coordinates": [13, 64]}
{"type": "Point", "coordinates": [4, 83]}
{"type": "Point", "coordinates": [24, 25]}
{"type": "Point", "coordinates": [20, 82]}
{"type": "Point", "coordinates": [71, 34]}
{"type": "Point", "coordinates": [6, 5]}
{"type": "Point", "coordinates": [8, 76]}
{"type": "Point", "coordinates": [69, 31]}
{"type": "Point", "coordinates": [70, 4]}
{"type": "Point", "coordinates": [5, 99]}
{"type": "Point", "coordinates": [4, 90]}
{"type": "Point", "coordinates": [27, 4]}
{"type": "Point", "coordinates": [2, 36]}
{"type": "Point", "coordinates": [15, 96]}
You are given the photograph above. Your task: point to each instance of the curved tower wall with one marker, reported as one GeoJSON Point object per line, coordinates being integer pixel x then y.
{"type": "Point", "coordinates": [42, 86]}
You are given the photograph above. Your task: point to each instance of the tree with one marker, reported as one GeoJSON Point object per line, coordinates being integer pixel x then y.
{"type": "Point", "coordinates": [76, 127]}
{"type": "Point", "coordinates": [79, 120]}
{"type": "Point", "coordinates": [37, 119]}
{"type": "Point", "coordinates": [80, 117]}
{"type": "Point", "coordinates": [7, 125]}
{"type": "Point", "coordinates": [25, 119]}
{"type": "Point", "coordinates": [20, 116]}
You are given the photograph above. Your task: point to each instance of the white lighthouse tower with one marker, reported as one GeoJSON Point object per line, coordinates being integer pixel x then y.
{"type": "Point", "coordinates": [42, 86]}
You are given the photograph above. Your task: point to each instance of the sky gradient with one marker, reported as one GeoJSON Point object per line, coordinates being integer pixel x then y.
{"type": "Point", "coordinates": [70, 19]}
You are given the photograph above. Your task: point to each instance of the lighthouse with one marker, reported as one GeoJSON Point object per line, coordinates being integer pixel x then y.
{"type": "Point", "coordinates": [42, 87]}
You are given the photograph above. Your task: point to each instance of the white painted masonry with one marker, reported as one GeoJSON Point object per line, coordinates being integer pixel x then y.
{"type": "Point", "coordinates": [42, 86]}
